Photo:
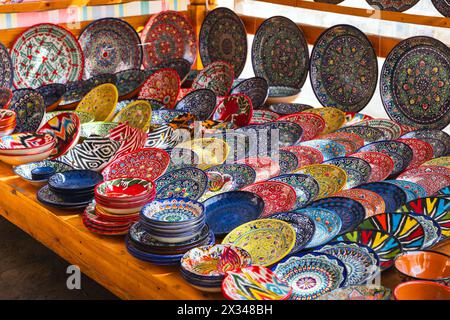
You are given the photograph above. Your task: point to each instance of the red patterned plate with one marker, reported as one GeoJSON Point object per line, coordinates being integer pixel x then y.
{"type": "Point", "coordinates": [381, 164]}
{"type": "Point", "coordinates": [236, 108]}
{"type": "Point", "coordinates": [265, 167]}
{"type": "Point", "coordinates": [422, 151]}
{"type": "Point", "coordinates": [371, 201]}
{"type": "Point", "coordinates": [183, 93]}
{"type": "Point", "coordinates": [26, 143]}
{"type": "Point", "coordinates": [263, 116]}
{"type": "Point", "coordinates": [431, 182]}
{"type": "Point", "coordinates": [168, 36]}
{"type": "Point", "coordinates": [163, 85]}
{"type": "Point", "coordinates": [312, 124]}
{"type": "Point", "coordinates": [146, 163]}
{"type": "Point", "coordinates": [305, 155]}
{"type": "Point", "coordinates": [131, 139]}
{"type": "Point", "coordinates": [218, 77]}
{"type": "Point", "coordinates": [350, 141]}
{"type": "Point", "coordinates": [277, 196]}
{"type": "Point", "coordinates": [406, 175]}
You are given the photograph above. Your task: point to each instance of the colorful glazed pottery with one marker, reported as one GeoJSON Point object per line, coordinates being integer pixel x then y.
{"type": "Point", "coordinates": [235, 108]}
{"type": "Point", "coordinates": [97, 128]}
{"type": "Point", "coordinates": [350, 141]}
{"type": "Point", "coordinates": [421, 290]}
{"type": "Point", "coordinates": [312, 124]}
{"type": "Point", "coordinates": [264, 167]}
{"type": "Point", "coordinates": [305, 155]}
{"type": "Point", "coordinates": [22, 144]}
{"type": "Point", "coordinates": [163, 137]}
{"type": "Point", "coordinates": [381, 164]}
{"type": "Point", "coordinates": [129, 82]}
{"type": "Point", "coordinates": [131, 139]}
{"type": "Point", "coordinates": [50, 198]}
{"type": "Point", "coordinates": [442, 161]}
{"type": "Point", "coordinates": [52, 94]}
{"type": "Point", "coordinates": [7, 69]}
{"type": "Point", "coordinates": [283, 133]}
{"type": "Point", "coordinates": [362, 292]}
{"type": "Point", "coordinates": [100, 101]}
{"type": "Point", "coordinates": [74, 180]}
{"type": "Point", "coordinates": [394, 197]}
{"type": "Point", "coordinates": [201, 103]}
{"type": "Point", "coordinates": [187, 182]}
{"type": "Point", "coordinates": [371, 201]}
{"type": "Point", "coordinates": [412, 190]}
{"type": "Point", "coordinates": [331, 179]}
{"type": "Point", "coordinates": [29, 108]}
{"type": "Point", "coordinates": [137, 114]}
{"type": "Point", "coordinates": [422, 151]}
{"type": "Point", "coordinates": [75, 91]}
{"type": "Point", "coordinates": [353, 118]}
{"type": "Point", "coordinates": [358, 171]}
{"type": "Point", "coordinates": [334, 118]}
{"type": "Point", "coordinates": [218, 77]}
{"type": "Point", "coordinates": [27, 173]}
{"type": "Point", "coordinates": [288, 161]}
{"type": "Point", "coordinates": [263, 116]}
{"type": "Point", "coordinates": [368, 134]}
{"type": "Point", "coordinates": [306, 187]}
{"type": "Point", "coordinates": [328, 148]}
{"type": "Point", "coordinates": [438, 139]}
{"type": "Point", "coordinates": [255, 88]}
{"type": "Point", "coordinates": [391, 129]}
{"type": "Point", "coordinates": [287, 108]}
{"type": "Point", "coordinates": [163, 86]}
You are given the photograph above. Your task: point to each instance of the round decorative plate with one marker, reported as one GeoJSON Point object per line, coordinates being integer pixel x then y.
{"type": "Point", "coordinates": [6, 69]}
{"type": "Point", "coordinates": [311, 274]}
{"type": "Point", "coordinates": [344, 68]}
{"type": "Point", "coordinates": [443, 6]}
{"type": "Point", "coordinates": [360, 261]}
{"type": "Point", "coordinates": [380, 163]}
{"type": "Point", "coordinates": [146, 163]}
{"type": "Point", "coordinates": [411, 173]}
{"type": "Point", "coordinates": [255, 88]}
{"type": "Point", "coordinates": [163, 86]}
{"type": "Point", "coordinates": [442, 161]}
{"type": "Point", "coordinates": [415, 83]}
{"type": "Point", "coordinates": [405, 228]}
{"type": "Point", "coordinates": [312, 124]}
{"type": "Point", "coordinates": [390, 128]}
{"type": "Point", "coordinates": [352, 118]}
{"type": "Point", "coordinates": [236, 108]}
{"type": "Point", "coordinates": [351, 212]}
{"type": "Point", "coordinates": [303, 225]}
{"type": "Point", "coordinates": [389, 5]}
{"type": "Point", "coordinates": [334, 118]}
{"type": "Point", "coordinates": [368, 134]}
{"type": "Point", "coordinates": [264, 167]}
{"type": "Point", "coordinates": [385, 245]}
{"type": "Point", "coordinates": [46, 53]}
{"type": "Point", "coordinates": [329, 149]}
{"type": "Point", "coordinates": [241, 174]}
{"type": "Point", "coordinates": [277, 196]}
{"type": "Point", "coordinates": [358, 170]}
{"type": "Point", "coordinates": [263, 116]}
{"type": "Point", "coordinates": [52, 95]}
{"type": "Point", "coordinates": [167, 36]}
{"type": "Point", "coordinates": [431, 182]}
{"type": "Point", "coordinates": [363, 292]}
{"type": "Point", "coordinates": [434, 207]}
{"type": "Point", "coordinates": [100, 101]}
{"type": "Point", "coordinates": [400, 153]}
{"type": "Point", "coordinates": [187, 182]}
{"type": "Point", "coordinates": [137, 114]}
{"type": "Point", "coordinates": [283, 108]}
{"type": "Point", "coordinates": [305, 155]}
{"type": "Point", "coordinates": [350, 141]}
{"type": "Point", "coordinates": [218, 77]}
{"type": "Point", "coordinates": [328, 224]}
{"type": "Point", "coordinates": [431, 228]}
{"type": "Point", "coordinates": [288, 161]}
{"type": "Point", "coordinates": [439, 140]}
{"type": "Point", "coordinates": [254, 283]}
{"type": "Point", "coordinates": [280, 53]}
{"type": "Point", "coordinates": [392, 195]}
{"type": "Point", "coordinates": [223, 38]}
{"type": "Point", "coordinates": [422, 151]}
{"type": "Point", "coordinates": [29, 108]}
{"type": "Point", "coordinates": [371, 201]}
{"type": "Point", "coordinates": [331, 179]}
{"type": "Point", "coordinates": [412, 190]}
{"type": "Point", "coordinates": [200, 103]}
{"type": "Point", "coordinates": [110, 45]}
{"type": "Point", "coordinates": [267, 240]}
{"type": "Point", "coordinates": [306, 187]}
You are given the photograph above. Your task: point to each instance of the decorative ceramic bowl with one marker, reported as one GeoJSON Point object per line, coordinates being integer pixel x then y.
{"type": "Point", "coordinates": [350, 141]}
{"type": "Point", "coordinates": [264, 167]}
{"type": "Point", "coordinates": [412, 190]}
{"type": "Point", "coordinates": [392, 195]}
{"type": "Point", "coordinates": [103, 78]}
{"type": "Point", "coordinates": [438, 139]}
{"type": "Point", "coordinates": [25, 171]}
{"type": "Point", "coordinates": [263, 116]}
{"type": "Point", "coordinates": [255, 88]}
{"type": "Point", "coordinates": [16, 160]}
{"type": "Point", "coordinates": [165, 116]}
{"type": "Point", "coordinates": [201, 103]}
{"type": "Point", "coordinates": [381, 164]}
{"type": "Point", "coordinates": [48, 197]}
{"type": "Point", "coordinates": [84, 117]}
{"type": "Point", "coordinates": [129, 83]}
{"type": "Point", "coordinates": [312, 124]}
{"type": "Point", "coordinates": [22, 144]}
{"type": "Point", "coordinates": [181, 66]}
{"type": "Point", "coordinates": [390, 128]}
{"type": "Point", "coordinates": [75, 91]}
{"type": "Point", "coordinates": [137, 114]}
{"type": "Point", "coordinates": [130, 139]}
{"type": "Point", "coordinates": [52, 95]}
{"type": "Point", "coordinates": [421, 290]}
{"type": "Point", "coordinates": [187, 182]}
{"type": "Point", "coordinates": [100, 101]}
{"type": "Point", "coordinates": [7, 117]}
{"type": "Point", "coordinates": [218, 77]}
{"type": "Point", "coordinates": [236, 108]}
{"type": "Point", "coordinates": [211, 151]}
{"type": "Point", "coordinates": [97, 128]}
{"type": "Point", "coordinates": [306, 187]}
{"type": "Point", "coordinates": [163, 85]}
{"type": "Point", "coordinates": [372, 202]}
{"type": "Point", "coordinates": [334, 118]}
{"type": "Point", "coordinates": [422, 151]}
{"type": "Point", "coordinates": [329, 149]}
{"type": "Point", "coordinates": [29, 107]}
{"type": "Point", "coordinates": [331, 179]}
{"type": "Point", "coordinates": [287, 108]}
{"type": "Point", "coordinates": [289, 133]}
{"type": "Point", "coordinates": [358, 170]}
{"type": "Point", "coordinates": [127, 189]}
{"type": "Point", "coordinates": [74, 180]}
{"type": "Point", "coordinates": [368, 134]}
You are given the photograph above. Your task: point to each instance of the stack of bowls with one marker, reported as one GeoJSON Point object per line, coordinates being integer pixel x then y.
{"type": "Point", "coordinates": [7, 122]}
{"type": "Point", "coordinates": [167, 229]}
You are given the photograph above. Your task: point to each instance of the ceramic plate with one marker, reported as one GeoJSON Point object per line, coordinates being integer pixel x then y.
{"type": "Point", "coordinates": [393, 196]}
{"type": "Point", "coordinates": [331, 179]}
{"type": "Point", "coordinates": [288, 161]}
{"type": "Point", "coordinates": [415, 83]}
{"type": "Point", "coordinates": [129, 82]}
{"type": "Point", "coordinates": [131, 139]}
{"type": "Point", "coordinates": [267, 240]}
{"type": "Point", "coordinates": [24, 171]}
{"type": "Point", "coordinates": [255, 88]}
{"type": "Point", "coordinates": [264, 167]}
{"type": "Point", "coordinates": [386, 246]}
{"type": "Point", "coordinates": [187, 182]}
{"type": "Point", "coordinates": [422, 151]}
{"type": "Point", "coordinates": [100, 101]}
{"type": "Point", "coordinates": [344, 68]}
{"type": "Point", "coordinates": [97, 128]}
{"type": "Point", "coordinates": [432, 230]}
{"type": "Point", "coordinates": [46, 53]}
{"type": "Point", "coordinates": [328, 224]}
{"type": "Point", "coordinates": [431, 182]}
{"type": "Point", "coordinates": [52, 95]}
{"type": "Point", "coordinates": [398, 6]}
{"type": "Point", "coordinates": [218, 77]}
{"type": "Point", "coordinates": [368, 134]}
{"type": "Point", "coordinates": [350, 211]}
{"type": "Point", "coordinates": [371, 201]}
{"type": "Point", "coordinates": [312, 124]}
{"type": "Point", "coordinates": [380, 163]}
{"type": "Point", "coordinates": [137, 114]}
{"type": "Point", "coordinates": [110, 45]}
{"type": "Point", "coordinates": [200, 103]}
{"type": "Point", "coordinates": [305, 155]}
{"type": "Point", "coordinates": [163, 137]}
{"type": "Point", "coordinates": [289, 133]}
{"type": "Point", "coordinates": [75, 180]}
{"type": "Point", "coordinates": [391, 129]}
{"type": "Point", "coordinates": [353, 118]}
{"type": "Point", "coordinates": [278, 39]}
{"type": "Point", "coordinates": [334, 118]}
{"type": "Point", "coordinates": [439, 140]}
{"type": "Point", "coordinates": [442, 161]}
{"type": "Point", "coordinates": [75, 91]}
{"type": "Point", "coordinates": [350, 141]}
{"type": "Point", "coordinates": [229, 210]}
{"type": "Point", "coordinates": [263, 116]}
{"type": "Point", "coordinates": [358, 170]}
{"type": "Point", "coordinates": [306, 187]}
{"type": "Point", "coordinates": [223, 38]}
{"type": "Point", "coordinates": [411, 173]}
{"type": "Point", "coordinates": [7, 70]}
{"type": "Point", "coordinates": [312, 274]}
{"type": "Point", "coordinates": [442, 6]}
{"type": "Point", "coordinates": [236, 108]}
{"type": "Point", "coordinates": [49, 198]}
{"type": "Point", "coordinates": [29, 108]}
{"type": "Point", "coordinates": [163, 86]}
{"type": "Point", "coordinates": [412, 190]}
{"type": "Point", "coordinates": [283, 108]}
{"type": "Point", "coordinates": [328, 148]}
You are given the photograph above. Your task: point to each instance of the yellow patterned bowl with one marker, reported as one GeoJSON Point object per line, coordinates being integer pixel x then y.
{"type": "Point", "coordinates": [334, 118]}
{"type": "Point", "coordinates": [211, 151]}
{"type": "Point", "coordinates": [267, 240]}
{"type": "Point", "coordinates": [331, 179]}
{"type": "Point", "coordinates": [137, 113]}
{"type": "Point", "coordinates": [100, 101]}
{"type": "Point", "coordinates": [442, 161]}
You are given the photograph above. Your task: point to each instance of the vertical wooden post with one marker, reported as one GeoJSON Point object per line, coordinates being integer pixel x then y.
{"type": "Point", "coordinates": [197, 10]}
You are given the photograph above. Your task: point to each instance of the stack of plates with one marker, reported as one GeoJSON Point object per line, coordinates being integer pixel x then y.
{"type": "Point", "coordinates": [7, 122]}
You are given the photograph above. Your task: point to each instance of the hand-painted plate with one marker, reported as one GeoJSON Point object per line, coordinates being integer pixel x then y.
{"type": "Point", "coordinates": [431, 228]}
{"type": "Point", "coordinates": [52, 95]}
{"type": "Point", "coordinates": [255, 88]}
{"type": "Point", "coordinates": [391, 129]}
{"type": "Point", "coordinates": [405, 228]}
{"type": "Point", "coordinates": [443, 6]}
{"type": "Point", "coordinates": [287, 108]}
{"type": "Point", "coordinates": [368, 134]}
{"type": "Point", "coordinates": [305, 155]}
{"type": "Point", "coordinates": [46, 53]}
{"type": "Point", "coordinates": [330, 149]}
{"type": "Point", "coordinates": [371, 201]}
{"type": "Point", "coordinates": [289, 133]}
{"type": "Point", "coordinates": [136, 114]}
{"type": "Point", "coordinates": [110, 45]}
{"type": "Point", "coordinates": [25, 170]}
{"type": "Point", "coordinates": [431, 182]}
{"type": "Point", "coordinates": [412, 190]}
{"type": "Point", "coordinates": [280, 53]}
{"type": "Point", "coordinates": [49, 198]}
{"type": "Point", "coordinates": [277, 196]}
{"type": "Point", "coordinates": [388, 5]}
{"type": "Point", "coordinates": [306, 187]}
{"type": "Point", "coordinates": [263, 116]}
{"type": "Point", "coordinates": [288, 161]}
{"type": "Point", "coordinates": [344, 68]}
{"type": "Point", "coordinates": [100, 101]}
{"type": "Point", "coordinates": [422, 151]}
{"type": "Point", "coordinates": [415, 83]}
{"type": "Point", "coordinates": [331, 179]}
{"type": "Point", "coordinates": [167, 36]}
{"type": "Point", "coordinates": [380, 163]}
{"type": "Point", "coordinates": [385, 245]}
{"type": "Point", "coordinates": [218, 77]}
{"type": "Point", "coordinates": [236, 108]}
{"type": "Point", "coordinates": [254, 283]}
{"type": "Point", "coordinates": [223, 38]}
{"type": "Point", "coordinates": [400, 153]}
{"type": "Point", "coordinates": [350, 141]}
{"type": "Point", "coordinates": [312, 124]}
{"type": "Point", "coordinates": [7, 70]}
{"type": "Point", "coordinates": [163, 86]}
{"type": "Point", "coordinates": [361, 261]}
{"type": "Point", "coordinates": [442, 161]}
{"type": "Point", "coordinates": [129, 83]}
{"type": "Point", "coordinates": [411, 173]}
{"type": "Point", "coordinates": [393, 196]}
{"type": "Point", "coordinates": [311, 274]}
{"type": "Point", "coordinates": [351, 212]}
{"type": "Point", "coordinates": [267, 240]}
{"type": "Point", "coordinates": [334, 118]}
{"type": "Point", "coordinates": [29, 108]}
{"type": "Point", "coordinates": [75, 91]}
{"type": "Point", "coordinates": [358, 170]}
{"type": "Point", "coordinates": [436, 208]}
{"type": "Point", "coordinates": [328, 224]}
{"type": "Point", "coordinates": [439, 140]}
{"type": "Point", "coordinates": [187, 182]}
{"type": "Point", "coordinates": [353, 118]}
{"type": "Point", "coordinates": [264, 167]}
{"type": "Point", "coordinates": [200, 103]}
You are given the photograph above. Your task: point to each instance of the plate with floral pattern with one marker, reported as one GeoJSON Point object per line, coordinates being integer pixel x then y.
{"type": "Point", "coordinates": [439, 140]}
{"type": "Point", "coordinates": [391, 129]}
{"type": "Point", "coordinates": [29, 107]}
{"type": "Point", "coordinates": [441, 161]}
{"type": "Point", "coordinates": [368, 134]}
{"type": "Point", "coordinates": [283, 108]}
{"type": "Point", "coordinates": [218, 77]}
{"type": "Point", "coordinates": [358, 170]}
{"type": "Point", "coordinates": [328, 224]}
{"type": "Point", "coordinates": [350, 141]}
{"type": "Point", "coordinates": [371, 201]}
{"type": "Point", "coordinates": [100, 101]}
{"type": "Point", "coordinates": [330, 149]}
{"type": "Point", "coordinates": [305, 155]}
{"type": "Point", "coordinates": [331, 179]}
{"type": "Point", "coordinates": [422, 151]}
{"type": "Point", "coordinates": [334, 118]}
{"type": "Point", "coordinates": [163, 86]}
{"type": "Point", "coordinates": [393, 196]}
{"type": "Point", "coordinates": [380, 163]}
{"type": "Point", "coordinates": [306, 187]}
{"type": "Point", "coordinates": [255, 88]}
{"type": "Point", "coordinates": [288, 161]}
{"type": "Point", "coordinates": [200, 103]}
{"type": "Point", "coordinates": [236, 108]}
{"type": "Point", "coordinates": [412, 190]}
{"type": "Point", "coordinates": [312, 124]}
{"type": "Point", "coordinates": [187, 182]}
{"type": "Point", "coordinates": [263, 116]}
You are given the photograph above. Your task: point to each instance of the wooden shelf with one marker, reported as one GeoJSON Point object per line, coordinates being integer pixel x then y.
{"type": "Point", "coordinates": [431, 21]}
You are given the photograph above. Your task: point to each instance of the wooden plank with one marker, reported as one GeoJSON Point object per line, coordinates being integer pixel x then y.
{"type": "Point", "coordinates": [382, 45]}
{"type": "Point", "coordinates": [433, 21]}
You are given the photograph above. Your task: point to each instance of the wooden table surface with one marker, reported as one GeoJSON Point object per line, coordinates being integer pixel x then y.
{"type": "Point", "coordinates": [104, 259]}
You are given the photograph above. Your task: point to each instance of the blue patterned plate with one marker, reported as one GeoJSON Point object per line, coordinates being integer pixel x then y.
{"type": "Point", "coordinates": [255, 88]}
{"type": "Point", "coordinates": [328, 225]}
{"type": "Point", "coordinates": [329, 149]}
{"type": "Point", "coordinates": [288, 161]}
{"type": "Point", "coordinates": [358, 170]}
{"type": "Point", "coordinates": [303, 225]}
{"type": "Point", "coordinates": [432, 229]}
{"type": "Point", "coordinates": [129, 82]}
{"type": "Point", "coordinates": [48, 197]}
{"type": "Point", "coordinates": [412, 190]}
{"type": "Point", "coordinates": [351, 212]}
{"type": "Point", "coordinates": [393, 196]}
{"type": "Point", "coordinates": [242, 175]}
{"type": "Point", "coordinates": [187, 182]}
{"type": "Point", "coordinates": [289, 133]}
{"type": "Point", "coordinates": [306, 187]}
{"type": "Point", "coordinates": [75, 180]}
{"type": "Point", "coordinates": [174, 211]}
{"type": "Point", "coordinates": [283, 108]}
{"type": "Point", "coordinates": [200, 103]}
{"type": "Point", "coordinates": [30, 109]}
{"type": "Point", "coordinates": [25, 170]}
{"type": "Point", "coordinates": [226, 211]}
{"type": "Point", "coordinates": [368, 134]}
{"type": "Point", "coordinates": [439, 140]}
{"type": "Point", "coordinates": [361, 261]}
{"type": "Point", "coordinates": [400, 153]}
{"type": "Point", "coordinates": [311, 274]}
